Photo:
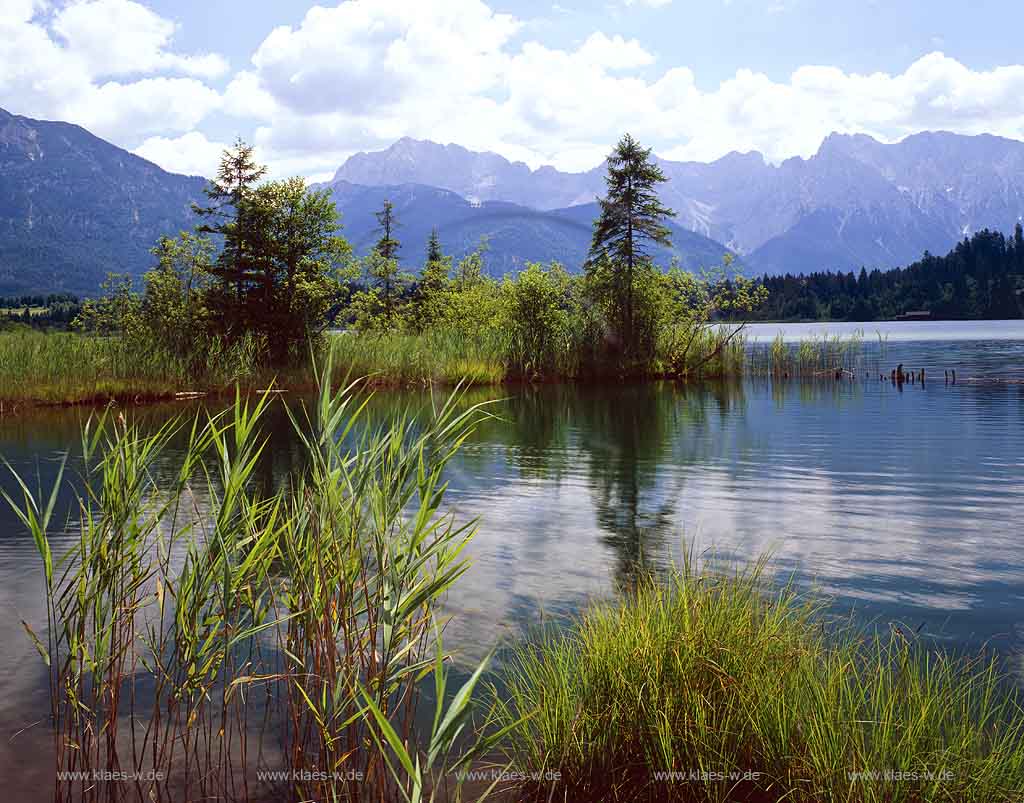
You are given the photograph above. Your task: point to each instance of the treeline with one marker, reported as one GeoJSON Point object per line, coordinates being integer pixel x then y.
{"type": "Point", "coordinates": [53, 311]}
{"type": "Point", "coordinates": [283, 275]}
{"type": "Point", "coordinates": [981, 278]}
{"type": "Point", "coordinates": [52, 300]}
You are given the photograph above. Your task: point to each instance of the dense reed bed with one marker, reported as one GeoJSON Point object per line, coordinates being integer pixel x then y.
{"type": "Point", "coordinates": [70, 368]}
{"type": "Point", "coordinates": [447, 356]}
{"type": "Point", "coordinates": [192, 648]}
{"type": "Point", "coordinates": [438, 356]}
{"type": "Point", "coordinates": [742, 692]}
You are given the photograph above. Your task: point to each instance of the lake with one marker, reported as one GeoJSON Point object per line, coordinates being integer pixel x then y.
{"type": "Point", "coordinates": [903, 504]}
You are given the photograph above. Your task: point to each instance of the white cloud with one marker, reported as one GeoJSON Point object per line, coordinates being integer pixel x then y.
{"type": "Point", "coordinates": [120, 37]}
{"type": "Point", "coordinates": [98, 63]}
{"type": "Point", "coordinates": [245, 97]}
{"type": "Point", "coordinates": [192, 153]}
{"type": "Point", "coordinates": [151, 105]}
{"type": "Point", "coordinates": [613, 53]}
{"type": "Point", "coordinates": [14, 11]}
{"type": "Point", "coordinates": [372, 54]}
{"type": "Point", "coordinates": [362, 74]}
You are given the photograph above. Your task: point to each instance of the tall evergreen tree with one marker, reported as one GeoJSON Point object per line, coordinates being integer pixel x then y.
{"type": "Point", "coordinates": [427, 305]}
{"type": "Point", "coordinates": [227, 216]}
{"type": "Point", "coordinates": [387, 246]}
{"type": "Point", "coordinates": [1018, 246]}
{"type": "Point", "coordinates": [434, 252]}
{"type": "Point", "coordinates": [277, 273]}
{"type": "Point", "coordinates": [631, 220]}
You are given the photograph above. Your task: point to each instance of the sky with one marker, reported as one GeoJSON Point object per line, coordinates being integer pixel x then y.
{"type": "Point", "coordinates": [176, 81]}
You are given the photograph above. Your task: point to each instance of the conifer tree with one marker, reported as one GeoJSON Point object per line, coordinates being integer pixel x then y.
{"type": "Point", "coordinates": [226, 215]}
{"type": "Point", "coordinates": [428, 299]}
{"type": "Point", "coordinates": [631, 220]}
{"type": "Point", "coordinates": [387, 246]}
{"type": "Point", "coordinates": [434, 252]}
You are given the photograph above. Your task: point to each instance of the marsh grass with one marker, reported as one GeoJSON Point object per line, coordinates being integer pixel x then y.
{"type": "Point", "coordinates": [824, 355]}
{"type": "Point", "coordinates": [194, 645]}
{"type": "Point", "coordinates": [447, 356]}
{"type": "Point", "coordinates": [69, 368]}
{"type": "Point", "coordinates": [439, 356]}
{"type": "Point", "coordinates": [715, 674]}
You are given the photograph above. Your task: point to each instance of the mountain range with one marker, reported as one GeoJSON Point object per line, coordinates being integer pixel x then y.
{"type": "Point", "coordinates": [513, 234]}
{"type": "Point", "coordinates": [73, 207]}
{"type": "Point", "coordinates": [856, 202]}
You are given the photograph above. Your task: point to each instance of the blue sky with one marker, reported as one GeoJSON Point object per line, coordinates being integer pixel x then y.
{"type": "Point", "coordinates": [538, 81]}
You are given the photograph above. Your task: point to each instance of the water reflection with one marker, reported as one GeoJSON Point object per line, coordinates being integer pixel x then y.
{"type": "Point", "coordinates": [903, 506]}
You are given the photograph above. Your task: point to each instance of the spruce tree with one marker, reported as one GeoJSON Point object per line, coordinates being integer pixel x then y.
{"type": "Point", "coordinates": [631, 220]}
{"type": "Point", "coordinates": [428, 299]}
{"type": "Point", "coordinates": [387, 246]}
{"type": "Point", "coordinates": [237, 177]}
{"type": "Point", "coordinates": [434, 252]}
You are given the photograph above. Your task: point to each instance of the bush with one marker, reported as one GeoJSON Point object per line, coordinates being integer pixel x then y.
{"type": "Point", "coordinates": [541, 315]}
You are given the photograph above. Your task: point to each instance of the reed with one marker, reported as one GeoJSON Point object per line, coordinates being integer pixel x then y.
{"type": "Point", "coordinates": [824, 355]}
{"type": "Point", "coordinates": [194, 644]}
{"type": "Point", "coordinates": [438, 356]}
{"type": "Point", "coordinates": [744, 693]}
{"type": "Point", "coordinates": [67, 368]}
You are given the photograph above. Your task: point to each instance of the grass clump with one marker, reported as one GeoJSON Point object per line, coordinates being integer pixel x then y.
{"type": "Point", "coordinates": [745, 696]}
{"type": "Point", "coordinates": [824, 355]}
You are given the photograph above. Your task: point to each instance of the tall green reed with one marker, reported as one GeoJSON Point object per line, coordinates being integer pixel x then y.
{"type": "Point", "coordinates": [199, 632]}
{"type": "Point", "coordinates": [817, 355]}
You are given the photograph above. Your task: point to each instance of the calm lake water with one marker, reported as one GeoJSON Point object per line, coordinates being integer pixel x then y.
{"type": "Point", "coordinates": [904, 505]}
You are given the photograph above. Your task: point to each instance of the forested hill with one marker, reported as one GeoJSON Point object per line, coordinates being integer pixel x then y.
{"type": "Point", "coordinates": [73, 207]}
{"type": "Point", "coordinates": [982, 277]}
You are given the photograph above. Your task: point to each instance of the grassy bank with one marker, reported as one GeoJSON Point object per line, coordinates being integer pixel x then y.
{"type": "Point", "coordinates": [438, 356]}
{"type": "Point", "coordinates": [712, 675]}
{"type": "Point", "coordinates": [70, 368]}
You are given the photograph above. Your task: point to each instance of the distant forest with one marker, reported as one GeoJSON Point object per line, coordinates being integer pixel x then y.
{"type": "Point", "coordinates": [56, 311]}
{"type": "Point", "coordinates": [982, 278]}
